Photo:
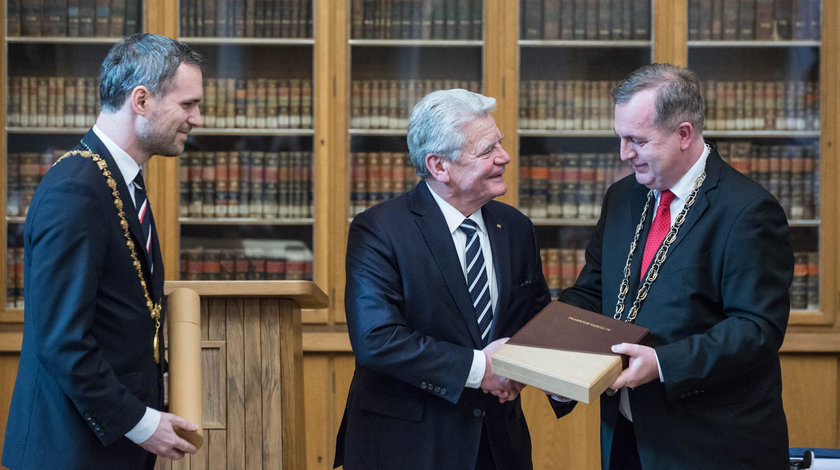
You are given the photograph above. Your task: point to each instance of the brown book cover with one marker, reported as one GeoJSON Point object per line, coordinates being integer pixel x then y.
{"type": "Point", "coordinates": [563, 326]}
{"type": "Point", "coordinates": [565, 350]}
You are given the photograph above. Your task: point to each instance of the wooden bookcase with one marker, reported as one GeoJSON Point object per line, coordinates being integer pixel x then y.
{"type": "Point", "coordinates": [501, 60]}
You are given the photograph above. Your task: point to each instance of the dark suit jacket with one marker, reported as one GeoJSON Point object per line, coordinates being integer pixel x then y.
{"type": "Point", "coordinates": [87, 369]}
{"type": "Point", "coordinates": [413, 330]}
{"type": "Point", "coordinates": [717, 316]}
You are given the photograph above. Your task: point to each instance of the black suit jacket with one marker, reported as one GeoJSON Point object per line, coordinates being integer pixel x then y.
{"type": "Point", "coordinates": [87, 369]}
{"type": "Point", "coordinates": [717, 316]}
{"type": "Point", "coordinates": [413, 330]}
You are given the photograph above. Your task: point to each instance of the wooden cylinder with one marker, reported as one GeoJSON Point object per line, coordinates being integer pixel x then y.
{"type": "Point", "coordinates": [185, 398]}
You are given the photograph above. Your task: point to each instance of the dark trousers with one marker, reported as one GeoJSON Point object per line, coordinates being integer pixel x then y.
{"type": "Point", "coordinates": [485, 456]}
{"type": "Point", "coordinates": [624, 454]}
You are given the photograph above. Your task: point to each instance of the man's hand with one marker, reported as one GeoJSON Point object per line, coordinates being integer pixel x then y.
{"type": "Point", "coordinates": [165, 443]}
{"type": "Point", "coordinates": [642, 368]}
{"type": "Point", "coordinates": [502, 388]}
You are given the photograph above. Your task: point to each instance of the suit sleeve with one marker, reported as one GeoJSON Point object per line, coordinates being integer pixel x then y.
{"type": "Point", "coordinates": [757, 272]}
{"type": "Point", "coordinates": [68, 250]}
{"type": "Point", "coordinates": [381, 338]}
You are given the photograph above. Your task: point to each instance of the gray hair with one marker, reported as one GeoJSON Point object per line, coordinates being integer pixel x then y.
{"type": "Point", "coordinates": [437, 121]}
{"type": "Point", "coordinates": [141, 59]}
{"type": "Point", "coordinates": [678, 95]}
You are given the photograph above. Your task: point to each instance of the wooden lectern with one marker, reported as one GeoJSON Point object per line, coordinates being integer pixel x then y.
{"type": "Point", "coordinates": [252, 373]}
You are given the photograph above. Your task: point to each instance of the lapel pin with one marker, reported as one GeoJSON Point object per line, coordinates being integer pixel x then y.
{"type": "Point", "coordinates": [499, 226]}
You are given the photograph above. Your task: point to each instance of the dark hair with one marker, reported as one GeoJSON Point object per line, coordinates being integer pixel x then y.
{"type": "Point", "coordinates": [142, 59]}
{"type": "Point", "coordinates": [678, 94]}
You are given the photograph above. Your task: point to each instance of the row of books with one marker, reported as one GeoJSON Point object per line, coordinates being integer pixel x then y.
{"type": "Point", "coordinates": [585, 19]}
{"type": "Point", "coordinates": [73, 18]}
{"type": "Point", "coordinates": [60, 101]}
{"type": "Point", "coordinates": [763, 20]}
{"type": "Point", "coordinates": [245, 260]}
{"type": "Point", "coordinates": [561, 267]}
{"type": "Point", "coordinates": [566, 104]}
{"type": "Point", "coordinates": [417, 19]}
{"type": "Point", "coordinates": [755, 105]}
{"type": "Point", "coordinates": [730, 105]}
{"type": "Point", "coordinates": [805, 288]}
{"type": "Point", "coordinates": [566, 185]}
{"type": "Point", "coordinates": [254, 184]}
{"type": "Point", "coordinates": [24, 173]}
{"type": "Point", "coordinates": [789, 172]}
{"type": "Point", "coordinates": [377, 176]}
{"type": "Point", "coordinates": [387, 104]}
{"type": "Point", "coordinates": [246, 18]}
{"type": "Point", "coordinates": [257, 103]}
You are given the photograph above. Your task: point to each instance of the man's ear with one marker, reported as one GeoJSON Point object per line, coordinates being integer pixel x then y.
{"type": "Point", "coordinates": [685, 131]}
{"type": "Point", "coordinates": [437, 167]}
{"type": "Point", "coordinates": [139, 100]}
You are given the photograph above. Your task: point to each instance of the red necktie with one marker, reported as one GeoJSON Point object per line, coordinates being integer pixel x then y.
{"type": "Point", "coordinates": [658, 229]}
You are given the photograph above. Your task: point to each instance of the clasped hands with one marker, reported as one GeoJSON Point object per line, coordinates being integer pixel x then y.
{"type": "Point", "coordinates": [501, 387]}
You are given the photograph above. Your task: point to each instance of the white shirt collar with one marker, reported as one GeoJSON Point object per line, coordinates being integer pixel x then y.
{"type": "Point", "coordinates": [453, 216]}
{"type": "Point", "coordinates": [685, 185]}
{"type": "Point", "coordinates": [128, 167]}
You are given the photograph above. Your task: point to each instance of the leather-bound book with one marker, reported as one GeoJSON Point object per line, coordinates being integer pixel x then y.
{"type": "Point", "coordinates": [565, 350]}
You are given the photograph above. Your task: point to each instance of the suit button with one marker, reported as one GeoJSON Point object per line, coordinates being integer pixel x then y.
{"type": "Point", "coordinates": [423, 385]}
{"type": "Point", "coordinates": [477, 413]}
{"type": "Point", "coordinates": [437, 388]}
{"type": "Point", "coordinates": [443, 391]}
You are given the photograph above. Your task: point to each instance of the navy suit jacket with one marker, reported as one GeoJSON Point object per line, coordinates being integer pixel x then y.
{"type": "Point", "coordinates": [87, 370]}
{"type": "Point", "coordinates": [413, 330]}
{"type": "Point", "coordinates": [717, 316]}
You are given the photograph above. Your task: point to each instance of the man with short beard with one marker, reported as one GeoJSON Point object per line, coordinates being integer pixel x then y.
{"type": "Point", "coordinates": [90, 386]}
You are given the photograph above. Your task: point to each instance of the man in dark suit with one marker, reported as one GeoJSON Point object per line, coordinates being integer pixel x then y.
{"type": "Point", "coordinates": [706, 390]}
{"type": "Point", "coordinates": [423, 394]}
{"type": "Point", "coordinates": [90, 384]}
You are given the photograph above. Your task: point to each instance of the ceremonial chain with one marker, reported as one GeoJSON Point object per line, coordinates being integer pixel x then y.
{"type": "Point", "coordinates": [653, 272]}
{"type": "Point", "coordinates": [154, 309]}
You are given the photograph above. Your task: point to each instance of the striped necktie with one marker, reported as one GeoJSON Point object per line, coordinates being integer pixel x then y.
{"type": "Point", "coordinates": [144, 213]}
{"type": "Point", "coordinates": [477, 279]}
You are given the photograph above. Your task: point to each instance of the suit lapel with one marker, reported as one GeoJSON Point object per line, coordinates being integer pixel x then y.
{"type": "Point", "coordinates": [500, 244]}
{"type": "Point", "coordinates": [701, 203]}
{"type": "Point", "coordinates": [433, 226]}
{"type": "Point", "coordinates": [96, 146]}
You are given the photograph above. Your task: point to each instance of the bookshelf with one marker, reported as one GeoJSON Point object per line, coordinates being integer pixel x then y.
{"type": "Point", "coordinates": [362, 64]}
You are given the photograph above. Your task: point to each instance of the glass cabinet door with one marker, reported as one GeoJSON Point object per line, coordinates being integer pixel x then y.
{"type": "Point", "coordinates": [400, 51]}
{"type": "Point", "coordinates": [572, 54]}
{"type": "Point", "coordinates": [764, 114]}
{"type": "Point", "coordinates": [246, 198]}
{"type": "Point", "coordinates": [53, 54]}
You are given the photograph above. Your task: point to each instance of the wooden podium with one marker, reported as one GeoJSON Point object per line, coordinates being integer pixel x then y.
{"type": "Point", "coordinates": [252, 373]}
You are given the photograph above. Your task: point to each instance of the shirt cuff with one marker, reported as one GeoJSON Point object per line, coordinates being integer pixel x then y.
{"type": "Point", "coordinates": [141, 432]}
{"type": "Point", "coordinates": [658, 367]}
{"type": "Point", "coordinates": [477, 370]}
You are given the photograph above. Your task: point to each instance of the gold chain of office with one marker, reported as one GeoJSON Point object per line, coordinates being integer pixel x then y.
{"type": "Point", "coordinates": [661, 254]}
{"type": "Point", "coordinates": [154, 308]}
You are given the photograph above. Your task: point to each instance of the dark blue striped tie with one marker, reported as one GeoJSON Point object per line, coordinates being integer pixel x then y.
{"type": "Point", "coordinates": [144, 214]}
{"type": "Point", "coordinates": [477, 279]}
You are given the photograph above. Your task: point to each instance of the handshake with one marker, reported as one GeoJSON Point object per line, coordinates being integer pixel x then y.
{"type": "Point", "coordinates": [504, 388]}
{"type": "Point", "coordinates": [501, 387]}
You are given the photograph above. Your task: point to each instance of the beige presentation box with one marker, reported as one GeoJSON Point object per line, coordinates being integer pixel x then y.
{"type": "Point", "coordinates": [565, 350]}
{"type": "Point", "coordinates": [576, 375]}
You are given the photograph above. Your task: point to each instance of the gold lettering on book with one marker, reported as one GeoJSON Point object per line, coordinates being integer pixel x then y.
{"type": "Point", "coordinates": [593, 325]}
